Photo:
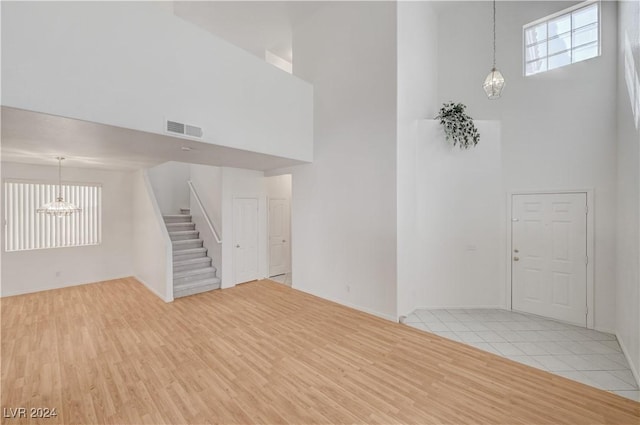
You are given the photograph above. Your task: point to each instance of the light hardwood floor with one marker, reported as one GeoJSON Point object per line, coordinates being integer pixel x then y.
{"type": "Point", "coordinates": [261, 352]}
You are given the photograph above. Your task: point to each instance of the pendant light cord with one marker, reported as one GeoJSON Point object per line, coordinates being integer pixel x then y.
{"type": "Point", "coordinates": [59, 178]}
{"type": "Point", "coordinates": [494, 34]}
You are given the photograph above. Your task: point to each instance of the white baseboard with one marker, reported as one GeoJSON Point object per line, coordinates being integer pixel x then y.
{"type": "Point", "coordinates": [605, 330]}
{"type": "Point", "coordinates": [368, 311]}
{"type": "Point", "coordinates": [156, 293]}
{"type": "Point", "coordinates": [353, 306]}
{"type": "Point", "coordinates": [634, 369]}
{"type": "Point", "coordinates": [51, 287]}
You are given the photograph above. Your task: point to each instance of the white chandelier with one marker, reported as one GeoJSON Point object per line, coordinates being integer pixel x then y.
{"type": "Point", "coordinates": [59, 208]}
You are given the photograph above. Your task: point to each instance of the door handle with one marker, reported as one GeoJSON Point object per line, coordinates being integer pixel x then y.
{"type": "Point", "coordinates": [237, 246]}
{"type": "Point", "coordinates": [516, 258]}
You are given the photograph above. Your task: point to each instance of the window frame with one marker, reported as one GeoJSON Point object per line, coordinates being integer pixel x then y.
{"type": "Point", "coordinates": [99, 213]}
{"type": "Point", "coordinates": [568, 11]}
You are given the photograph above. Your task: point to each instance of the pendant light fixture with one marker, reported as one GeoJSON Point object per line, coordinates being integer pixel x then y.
{"type": "Point", "coordinates": [494, 83]}
{"type": "Point", "coordinates": [59, 208]}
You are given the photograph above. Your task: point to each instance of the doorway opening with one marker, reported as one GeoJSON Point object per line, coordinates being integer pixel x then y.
{"type": "Point", "coordinates": [279, 190]}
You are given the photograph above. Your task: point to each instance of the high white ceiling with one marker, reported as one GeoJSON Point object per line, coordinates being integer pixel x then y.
{"type": "Point", "coordinates": [37, 138]}
{"type": "Point", "coordinates": [255, 26]}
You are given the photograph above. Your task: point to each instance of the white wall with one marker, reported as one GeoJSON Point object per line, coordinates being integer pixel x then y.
{"type": "Point", "coordinates": [628, 235]}
{"type": "Point", "coordinates": [135, 64]}
{"type": "Point", "coordinates": [152, 250]}
{"type": "Point", "coordinates": [279, 187]}
{"type": "Point", "coordinates": [208, 183]}
{"type": "Point", "coordinates": [454, 239]}
{"type": "Point", "coordinates": [417, 91]}
{"type": "Point", "coordinates": [242, 183]}
{"type": "Point", "coordinates": [169, 183]}
{"type": "Point", "coordinates": [344, 204]}
{"type": "Point", "coordinates": [38, 270]}
{"type": "Point", "coordinates": [558, 128]}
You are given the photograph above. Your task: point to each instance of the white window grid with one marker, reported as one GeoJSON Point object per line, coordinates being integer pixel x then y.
{"type": "Point", "coordinates": [571, 33]}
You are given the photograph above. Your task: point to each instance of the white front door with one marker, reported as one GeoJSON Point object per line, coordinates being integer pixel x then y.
{"type": "Point", "coordinates": [245, 239]}
{"type": "Point", "coordinates": [549, 255]}
{"type": "Point", "coordinates": [279, 239]}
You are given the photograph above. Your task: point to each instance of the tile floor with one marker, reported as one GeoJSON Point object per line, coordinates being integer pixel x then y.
{"type": "Point", "coordinates": [285, 279]}
{"type": "Point", "coordinates": [584, 355]}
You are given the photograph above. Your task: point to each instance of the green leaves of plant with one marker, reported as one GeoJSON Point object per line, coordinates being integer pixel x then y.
{"type": "Point", "coordinates": [458, 126]}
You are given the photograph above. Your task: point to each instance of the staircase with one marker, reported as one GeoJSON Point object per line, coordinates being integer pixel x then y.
{"type": "Point", "coordinates": [193, 272]}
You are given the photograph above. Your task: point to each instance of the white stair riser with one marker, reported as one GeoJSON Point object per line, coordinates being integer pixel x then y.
{"type": "Point", "coordinates": [185, 237]}
{"type": "Point", "coordinates": [198, 265]}
{"type": "Point", "coordinates": [190, 244]}
{"type": "Point", "coordinates": [196, 290]}
{"type": "Point", "coordinates": [180, 227]}
{"type": "Point", "coordinates": [193, 278]}
{"type": "Point", "coordinates": [178, 256]}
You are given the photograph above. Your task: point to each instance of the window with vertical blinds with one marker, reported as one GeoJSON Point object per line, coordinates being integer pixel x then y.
{"type": "Point", "coordinates": [25, 229]}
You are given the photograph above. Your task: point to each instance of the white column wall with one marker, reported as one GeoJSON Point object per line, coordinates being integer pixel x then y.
{"type": "Point", "coordinates": [344, 204]}
{"type": "Point", "coordinates": [455, 241]}
{"type": "Point", "coordinates": [628, 235]}
{"type": "Point", "coordinates": [417, 100]}
{"type": "Point", "coordinates": [152, 249]}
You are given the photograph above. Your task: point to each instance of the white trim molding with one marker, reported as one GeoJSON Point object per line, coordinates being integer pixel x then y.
{"type": "Point", "coordinates": [384, 316]}
{"type": "Point", "coordinates": [632, 366]}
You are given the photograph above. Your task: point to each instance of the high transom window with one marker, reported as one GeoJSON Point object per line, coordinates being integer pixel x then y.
{"type": "Point", "coordinates": [566, 37]}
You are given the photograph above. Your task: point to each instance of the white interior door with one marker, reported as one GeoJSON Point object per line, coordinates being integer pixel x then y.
{"type": "Point", "coordinates": [549, 255]}
{"type": "Point", "coordinates": [279, 238]}
{"type": "Point", "coordinates": [245, 239]}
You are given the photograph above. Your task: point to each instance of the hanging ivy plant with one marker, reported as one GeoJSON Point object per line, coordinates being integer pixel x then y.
{"type": "Point", "coordinates": [458, 126]}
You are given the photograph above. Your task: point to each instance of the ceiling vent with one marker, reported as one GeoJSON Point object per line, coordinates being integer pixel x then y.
{"type": "Point", "coordinates": [178, 128]}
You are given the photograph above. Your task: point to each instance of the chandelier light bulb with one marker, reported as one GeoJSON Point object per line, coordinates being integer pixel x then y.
{"type": "Point", "coordinates": [493, 84]}
{"type": "Point", "coordinates": [59, 208]}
